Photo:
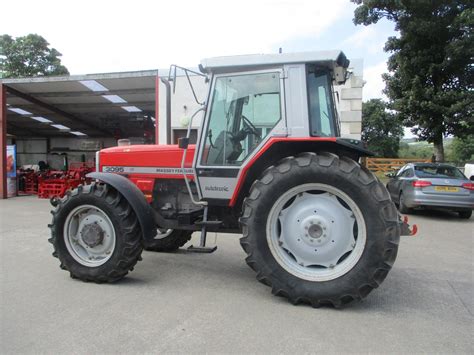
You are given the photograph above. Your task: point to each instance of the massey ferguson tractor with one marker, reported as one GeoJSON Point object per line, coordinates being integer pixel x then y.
{"type": "Point", "coordinates": [269, 163]}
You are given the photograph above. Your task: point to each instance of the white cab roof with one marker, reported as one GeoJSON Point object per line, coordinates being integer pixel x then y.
{"type": "Point", "coordinates": [327, 58]}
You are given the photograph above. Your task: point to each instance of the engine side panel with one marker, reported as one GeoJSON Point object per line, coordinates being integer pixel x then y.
{"type": "Point", "coordinates": [158, 161]}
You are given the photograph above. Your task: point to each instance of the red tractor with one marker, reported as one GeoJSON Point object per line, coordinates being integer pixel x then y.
{"type": "Point", "coordinates": [317, 226]}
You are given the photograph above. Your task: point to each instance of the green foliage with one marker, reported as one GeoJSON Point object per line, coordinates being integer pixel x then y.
{"type": "Point", "coordinates": [431, 79]}
{"type": "Point", "coordinates": [380, 129]}
{"type": "Point", "coordinates": [462, 150]}
{"type": "Point", "coordinates": [29, 56]}
{"type": "Point", "coordinates": [420, 150]}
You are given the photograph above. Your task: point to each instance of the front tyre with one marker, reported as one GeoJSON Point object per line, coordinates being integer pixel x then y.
{"type": "Point", "coordinates": [320, 229]}
{"type": "Point", "coordinates": [95, 234]}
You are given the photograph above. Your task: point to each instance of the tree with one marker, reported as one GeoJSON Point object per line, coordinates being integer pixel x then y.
{"type": "Point", "coordinates": [462, 150]}
{"type": "Point", "coordinates": [380, 129]}
{"type": "Point", "coordinates": [29, 56]}
{"type": "Point", "coordinates": [430, 84]}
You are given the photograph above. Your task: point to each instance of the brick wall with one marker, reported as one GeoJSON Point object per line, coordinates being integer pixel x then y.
{"type": "Point", "coordinates": [350, 102]}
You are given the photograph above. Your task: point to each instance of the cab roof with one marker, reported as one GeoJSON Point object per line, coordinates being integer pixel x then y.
{"type": "Point", "coordinates": [330, 59]}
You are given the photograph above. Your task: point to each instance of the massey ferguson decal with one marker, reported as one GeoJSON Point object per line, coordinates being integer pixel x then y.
{"type": "Point", "coordinates": [145, 170]}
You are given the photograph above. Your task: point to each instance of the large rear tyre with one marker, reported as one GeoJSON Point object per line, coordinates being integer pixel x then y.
{"type": "Point", "coordinates": [95, 234]}
{"type": "Point", "coordinates": [169, 240]}
{"type": "Point", "coordinates": [465, 214]}
{"type": "Point", "coordinates": [320, 229]}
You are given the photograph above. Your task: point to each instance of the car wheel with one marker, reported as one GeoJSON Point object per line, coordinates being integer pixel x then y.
{"type": "Point", "coordinates": [465, 214]}
{"type": "Point", "coordinates": [402, 207]}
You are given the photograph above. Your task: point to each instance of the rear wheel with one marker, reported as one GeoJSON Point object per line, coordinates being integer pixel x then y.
{"type": "Point", "coordinates": [320, 229]}
{"type": "Point", "coordinates": [465, 214]}
{"type": "Point", "coordinates": [95, 234]}
{"type": "Point", "coordinates": [169, 240]}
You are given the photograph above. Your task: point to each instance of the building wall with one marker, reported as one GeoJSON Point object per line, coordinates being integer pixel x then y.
{"type": "Point", "coordinates": [183, 105]}
{"type": "Point", "coordinates": [32, 150]}
{"type": "Point", "coordinates": [350, 102]}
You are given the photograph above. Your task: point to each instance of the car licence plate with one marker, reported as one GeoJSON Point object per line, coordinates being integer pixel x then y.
{"type": "Point", "coordinates": [446, 189]}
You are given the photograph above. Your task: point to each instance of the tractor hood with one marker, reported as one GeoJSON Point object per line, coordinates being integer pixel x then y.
{"type": "Point", "coordinates": [145, 159]}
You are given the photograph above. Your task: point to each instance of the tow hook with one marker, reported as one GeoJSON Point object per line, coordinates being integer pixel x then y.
{"type": "Point", "coordinates": [405, 227]}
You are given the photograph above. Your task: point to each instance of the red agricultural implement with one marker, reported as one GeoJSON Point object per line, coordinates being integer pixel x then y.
{"type": "Point", "coordinates": [55, 184]}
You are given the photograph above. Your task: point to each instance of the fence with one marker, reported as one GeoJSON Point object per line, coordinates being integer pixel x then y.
{"type": "Point", "coordinates": [389, 164]}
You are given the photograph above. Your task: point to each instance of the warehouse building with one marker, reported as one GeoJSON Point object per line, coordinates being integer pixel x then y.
{"type": "Point", "coordinates": [57, 121]}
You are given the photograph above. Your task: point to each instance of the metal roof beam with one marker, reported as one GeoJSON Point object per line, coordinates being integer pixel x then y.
{"type": "Point", "coordinates": [94, 93]}
{"type": "Point", "coordinates": [56, 110]}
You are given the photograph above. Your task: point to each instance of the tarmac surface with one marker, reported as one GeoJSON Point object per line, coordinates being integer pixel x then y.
{"type": "Point", "coordinates": [194, 303]}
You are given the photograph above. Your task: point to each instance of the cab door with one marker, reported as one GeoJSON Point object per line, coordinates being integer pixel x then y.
{"type": "Point", "coordinates": [244, 109]}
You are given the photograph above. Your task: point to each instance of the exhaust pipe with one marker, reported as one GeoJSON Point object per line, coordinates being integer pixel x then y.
{"type": "Point", "coordinates": [168, 109]}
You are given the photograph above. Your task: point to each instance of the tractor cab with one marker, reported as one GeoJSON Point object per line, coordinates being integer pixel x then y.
{"type": "Point", "coordinates": [256, 101]}
{"type": "Point", "coordinates": [247, 104]}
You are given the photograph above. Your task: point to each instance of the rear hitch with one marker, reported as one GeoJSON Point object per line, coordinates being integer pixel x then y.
{"type": "Point", "coordinates": [405, 227]}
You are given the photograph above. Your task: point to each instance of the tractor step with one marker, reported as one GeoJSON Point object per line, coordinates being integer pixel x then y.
{"type": "Point", "coordinates": [202, 242]}
{"type": "Point", "coordinates": [206, 250]}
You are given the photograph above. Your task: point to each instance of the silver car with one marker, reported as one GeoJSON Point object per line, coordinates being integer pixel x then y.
{"type": "Point", "coordinates": [428, 185]}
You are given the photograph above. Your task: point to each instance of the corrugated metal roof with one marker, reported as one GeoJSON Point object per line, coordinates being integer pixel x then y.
{"type": "Point", "coordinates": [95, 115]}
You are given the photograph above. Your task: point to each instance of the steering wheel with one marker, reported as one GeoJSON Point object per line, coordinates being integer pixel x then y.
{"type": "Point", "coordinates": [250, 128]}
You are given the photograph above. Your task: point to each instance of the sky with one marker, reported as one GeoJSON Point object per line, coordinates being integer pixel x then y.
{"type": "Point", "coordinates": [110, 36]}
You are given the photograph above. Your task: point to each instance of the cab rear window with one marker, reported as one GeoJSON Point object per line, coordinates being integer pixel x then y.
{"type": "Point", "coordinates": [446, 172]}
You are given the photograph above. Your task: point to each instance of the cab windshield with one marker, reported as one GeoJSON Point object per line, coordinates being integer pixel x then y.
{"type": "Point", "coordinates": [244, 110]}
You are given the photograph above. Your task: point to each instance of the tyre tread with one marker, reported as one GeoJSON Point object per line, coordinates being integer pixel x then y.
{"type": "Point", "coordinates": [352, 170]}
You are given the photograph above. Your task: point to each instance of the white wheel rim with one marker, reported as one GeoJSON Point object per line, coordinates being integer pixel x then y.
{"type": "Point", "coordinates": [162, 233]}
{"type": "Point", "coordinates": [89, 235]}
{"type": "Point", "coordinates": [312, 235]}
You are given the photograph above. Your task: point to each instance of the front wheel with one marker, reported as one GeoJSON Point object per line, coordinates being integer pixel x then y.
{"type": "Point", "coordinates": [95, 234]}
{"type": "Point", "coordinates": [320, 229]}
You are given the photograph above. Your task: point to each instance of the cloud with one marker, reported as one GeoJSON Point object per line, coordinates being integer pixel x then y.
{"type": "Point", "coordinates": [104, 36]}
{"type": "Point", "coordinates": [373, 81]}
{"type": "Point", "coordinates": [368, 39]}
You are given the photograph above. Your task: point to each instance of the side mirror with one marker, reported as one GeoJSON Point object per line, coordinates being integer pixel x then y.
{"type": "Point", "coordinates": [183, 142]}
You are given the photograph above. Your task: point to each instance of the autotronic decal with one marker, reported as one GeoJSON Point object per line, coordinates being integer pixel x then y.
{"type": "Point", "coordinates": [145, 170]}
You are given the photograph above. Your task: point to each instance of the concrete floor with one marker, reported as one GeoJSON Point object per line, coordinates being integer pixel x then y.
{"type": "Point", "coordinates": [212, 303]}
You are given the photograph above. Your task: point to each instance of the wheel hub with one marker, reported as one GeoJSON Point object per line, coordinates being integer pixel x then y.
{"type": "Point", "coordinates": [89, 235]}
{"type": "Point", "coordinates": [92, 235]}
{"type": "Point", "coordinates": [314, 231]}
